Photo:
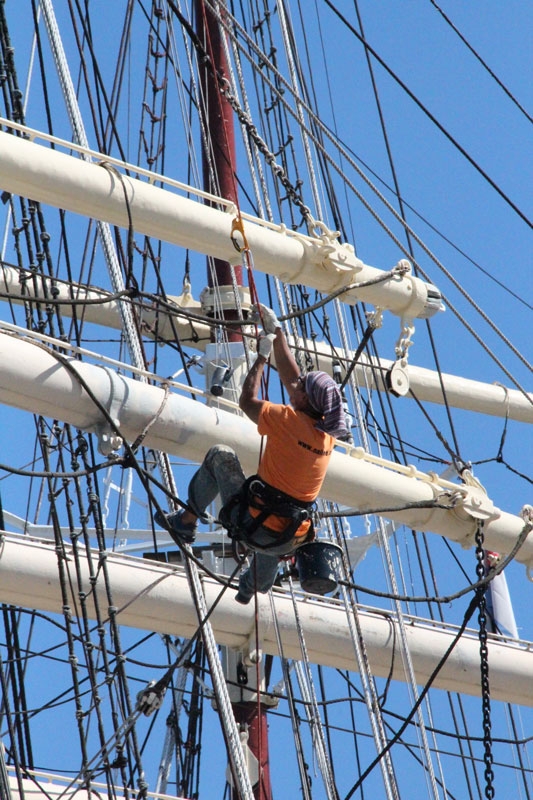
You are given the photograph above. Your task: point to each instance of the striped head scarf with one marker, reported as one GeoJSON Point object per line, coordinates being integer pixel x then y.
{"type": "Point", "coordinates": [325, 397]}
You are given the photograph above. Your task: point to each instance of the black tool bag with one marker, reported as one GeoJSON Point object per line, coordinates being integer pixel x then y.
{"type": "Point", "coordinates": [268, 501]}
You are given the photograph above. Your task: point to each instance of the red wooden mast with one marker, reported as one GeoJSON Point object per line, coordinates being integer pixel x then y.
{"type": "Point", "coordinates": [218, 164]}
{"type": "Point", "coordinates": [219, 178]}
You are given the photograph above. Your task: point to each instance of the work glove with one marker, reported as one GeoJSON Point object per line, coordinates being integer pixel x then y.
{"type": "Point", "coordinates": [263, 315]}
{"type": "Point", "coordinates": [264, 345]}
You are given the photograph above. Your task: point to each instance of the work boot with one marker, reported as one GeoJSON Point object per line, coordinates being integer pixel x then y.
{"type": "Point", "coordinates": [181, 532]}
{"type": "Point", "coordinates": [242, 598]}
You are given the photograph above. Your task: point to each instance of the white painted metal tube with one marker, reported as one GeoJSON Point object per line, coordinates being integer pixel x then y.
{"type": "Point", "coordinates": [156, 597]}
{"type": "Point", "coordinates": [47, 786]}
{"type": "Point", "coordinates": [483, 398]}
{"type": "Point", "coordinates": [31, 378]}
{"type": "Point", "coordinates": [100, 310]}
{"type": "Point", "coordinates": [44, 787]}
{"type": "Point", "coordinates": [96, 191]}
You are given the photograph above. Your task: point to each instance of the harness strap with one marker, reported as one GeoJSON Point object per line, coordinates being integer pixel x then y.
{"type": "Point", "coordinates": [257, 487]}
{"type": "Point", "coordinates": [269, 501]}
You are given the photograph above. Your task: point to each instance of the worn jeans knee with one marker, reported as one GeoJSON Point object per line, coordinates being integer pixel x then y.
{"type": "Point", "coordinates": [219, 455]}
{"type": "Point", "coordinates": [219, 474]}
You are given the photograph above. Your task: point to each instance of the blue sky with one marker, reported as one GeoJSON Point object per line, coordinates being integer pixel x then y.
{"type": "Point", "coordinates": [464, 219]}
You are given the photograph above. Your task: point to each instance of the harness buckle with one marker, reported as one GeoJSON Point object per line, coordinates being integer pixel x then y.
{"type": "Point", "coordinates": [267, 501]}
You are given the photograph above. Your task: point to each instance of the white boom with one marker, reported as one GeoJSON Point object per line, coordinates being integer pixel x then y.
{"type": "Point", "coordinates": [156, 597]}
{"type": "Point", "coordinates": [32, 378]}
{"type": "Point", "coordinates": [46, 786]}
{"type": "Point", "coordinates": [101, 308]}
{"type": "Point", "coordinates": [100, 191]}
{"type": "Point", "coordinates": [428, 386]}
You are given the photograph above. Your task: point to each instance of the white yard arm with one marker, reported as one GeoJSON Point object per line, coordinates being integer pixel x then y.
{"type": "Point", "coordinates": [47, 786]}
{"type": "Point", "coordinates": [156, 597]}
{"type": "Point", "coordinates": [31, 378]}
{"type": "Point", "coordinates": [99, 308]}
{"type": "Point", "coordinates": [493, 399]}
{"type": "Point", "coordinates": [98, 190]}
{"type": "Point", "coordinates": [482, 398]}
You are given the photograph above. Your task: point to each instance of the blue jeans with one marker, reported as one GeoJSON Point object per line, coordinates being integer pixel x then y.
{"type": "Point", "coordinates": [221, 474]}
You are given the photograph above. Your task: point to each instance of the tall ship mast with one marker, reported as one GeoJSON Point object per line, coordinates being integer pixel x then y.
{"type": "Point", "coordinates": [360, 169]}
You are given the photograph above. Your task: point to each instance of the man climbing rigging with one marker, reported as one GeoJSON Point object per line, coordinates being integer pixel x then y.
{"type": "Point", "coordinates": [271, 511]}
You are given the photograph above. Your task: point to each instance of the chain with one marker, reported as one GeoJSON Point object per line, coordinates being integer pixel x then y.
{"type": "Point", "coordinates": [484, 663]}
{"type": "Point", "coordinates": [244, 118]}
{"type": "Point", "coordinates": [253, 133]}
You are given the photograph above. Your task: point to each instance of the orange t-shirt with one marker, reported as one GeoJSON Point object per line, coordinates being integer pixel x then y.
{"type": "Point", "coordinates": [295, 456]}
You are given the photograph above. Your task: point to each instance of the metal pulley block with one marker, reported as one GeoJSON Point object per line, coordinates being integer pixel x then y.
{"type": "Point", "coordinates": [398, 378]}
{"type": "Point", "coordinates": [150, 699]}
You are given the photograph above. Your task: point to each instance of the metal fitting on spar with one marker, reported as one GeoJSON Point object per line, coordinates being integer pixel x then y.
{"type": "Point", "coordinates": [433, 302]}
{"type": "Point", "coordinates": [396, 290]}
{"type": "Point", "coordinates": [425, 300]}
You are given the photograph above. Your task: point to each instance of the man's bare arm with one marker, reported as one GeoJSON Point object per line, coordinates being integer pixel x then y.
{"type": "Point", "coordinates": [288, 369]}
{"type": "Point", "coordinates": [249, 401]}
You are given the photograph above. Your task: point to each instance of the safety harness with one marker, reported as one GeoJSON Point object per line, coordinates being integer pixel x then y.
{"type": "Point", "coordinates": [268, 501]}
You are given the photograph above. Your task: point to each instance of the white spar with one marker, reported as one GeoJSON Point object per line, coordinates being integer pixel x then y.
{"type": "Point", "coordinates": [99, 191]}
{"type": "Point", "coordinates": [33, 379]}
{"type": "Point", "coordinates": [156, 597]}
{"type": "Point", "coordinates": [100, 307]}
{"type": "Point", "coordinates": [428, 385]}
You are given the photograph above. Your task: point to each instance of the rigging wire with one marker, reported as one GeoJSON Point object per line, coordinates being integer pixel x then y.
{"type": "Point", "coordinates": [303, 672]}
{"type": "Point", "coordinates": [402, 200]}
{"type": "Point", "coordinates": [468, 615]}
{"type": "Point", "coordinates": [387, 778]}
{"type": "Point", "coordinates": [441, 266]}
{"type": "Point", "coordinates": [401, 205]}
{"type": "Point", "coordinates": [483, 63]}
{"type": "Point", "coordinates": [137, 761]}
{"type": "Point", "coordinates": [432, 118]}
{"type": "Point", "coordinates": [293, 712]}
{"type": "Point", "coordinates": [405, 652]}
{"type": "Point", "coordinates": [349, 698]}
{"type": "Point", "coordinates": [229, 727]}
{"type": "Point", "coordinates": [190, 562]}
{"type": "Point", "coordinates": [398, 195]}
{"type": "Point", "coordinates": [404, 649]}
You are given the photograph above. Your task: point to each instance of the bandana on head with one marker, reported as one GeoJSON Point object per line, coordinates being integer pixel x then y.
{"type": "Point", "coordinates": [325, 397]}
